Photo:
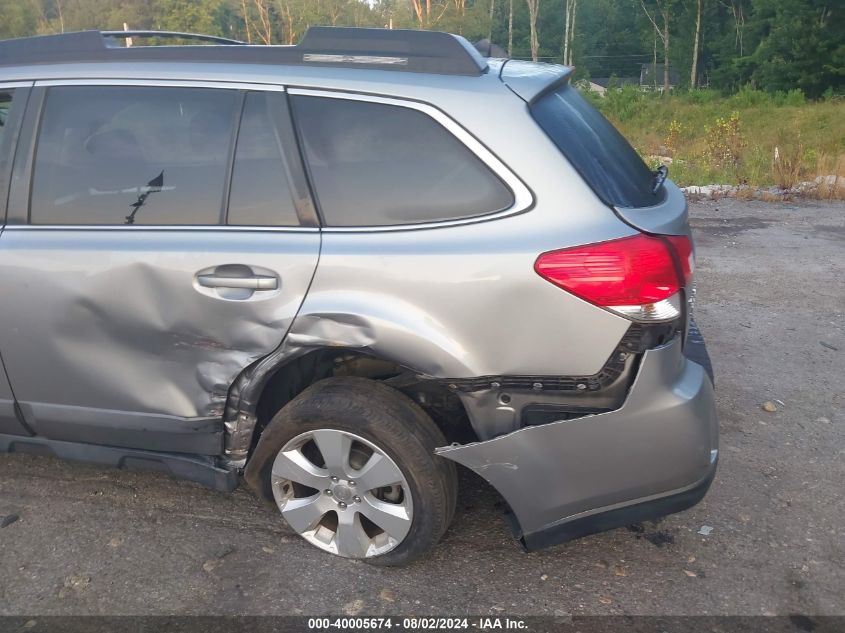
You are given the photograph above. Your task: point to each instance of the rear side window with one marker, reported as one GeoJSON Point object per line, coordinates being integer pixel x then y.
{"type": "Point", "coordinates": [260, 194]}
{"type": "Point", "coordinates": [611, 167]}
{"type": "Point", "coordinates": [132, 155]}
{"type": "Point", "coordinates": [374, 164]}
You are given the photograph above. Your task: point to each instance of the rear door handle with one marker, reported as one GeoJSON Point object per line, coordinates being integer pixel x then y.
{"type": "Point", "coordinates": [252, 282]}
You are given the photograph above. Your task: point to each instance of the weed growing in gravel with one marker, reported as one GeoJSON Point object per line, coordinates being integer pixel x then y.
{"type": "Point", "coordinates": [672, 138]}
{"type": "Point", "coordinates": [787, 161]}
{"type": "Point", "coordinates": [724, 142]}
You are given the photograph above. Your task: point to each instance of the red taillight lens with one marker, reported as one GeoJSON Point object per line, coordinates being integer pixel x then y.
{"type": "Point", "coordinates": [632, 271]}
{"type": "Point", "coordinates": [683, 251]}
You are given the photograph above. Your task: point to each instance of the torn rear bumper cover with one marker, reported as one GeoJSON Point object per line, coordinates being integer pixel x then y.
{"type": "Point", "coordinates": [655, 455]}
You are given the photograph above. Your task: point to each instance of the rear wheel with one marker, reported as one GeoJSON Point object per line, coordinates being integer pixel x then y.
{"type": "Point", "coordinates": [350, 464]}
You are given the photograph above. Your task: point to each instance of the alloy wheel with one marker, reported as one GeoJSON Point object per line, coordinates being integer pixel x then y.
{"type": "Point", "coordinates": [342, 493]}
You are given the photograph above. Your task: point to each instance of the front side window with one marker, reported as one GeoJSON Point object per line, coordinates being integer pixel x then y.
{"type": "Point", "coordinates": [132, 155]}
{"type": "Point", "coordinates": [374, 164]}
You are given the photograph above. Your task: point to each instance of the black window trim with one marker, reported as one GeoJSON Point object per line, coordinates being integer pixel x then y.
{"type": "Point", "coordinates": [523, 198]}
{"type": "Point", "coordinates": [301, 195]}
{"type": "Point", "coordinates": [234, 134]}
{"type": "Point", "coordinates": [20, 91]}
{"type": "Point", "coordinates": [20, 190]}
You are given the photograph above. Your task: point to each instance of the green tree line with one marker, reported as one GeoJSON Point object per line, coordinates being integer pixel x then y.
{"type": "Point", "coordinates": [772, 45]}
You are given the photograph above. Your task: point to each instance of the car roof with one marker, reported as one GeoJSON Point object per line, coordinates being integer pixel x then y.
{"type": "Point", "coordinates": [425, 65]}
{"type": "Point", "coordinates": [400, 50]}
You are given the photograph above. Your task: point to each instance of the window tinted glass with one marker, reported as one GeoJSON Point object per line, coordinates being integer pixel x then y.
{"type": "Point", "coordinates": [377, 164]}
{"type": "Point", "coordinates": [596, 149]}
{"type": "Point", "coordinates": [260, 192]}
{"type": "Point", "coordinates": [5, 105]}
{"type": "Point", "coordinates": [132, 155]}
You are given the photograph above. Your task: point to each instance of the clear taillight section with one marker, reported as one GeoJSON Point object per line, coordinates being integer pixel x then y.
{"type": "Point", "coordinates": [640, 277]}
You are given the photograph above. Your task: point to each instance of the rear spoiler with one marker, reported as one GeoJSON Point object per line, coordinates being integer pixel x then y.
{"type": "Point", "coordinates": [530, 80]}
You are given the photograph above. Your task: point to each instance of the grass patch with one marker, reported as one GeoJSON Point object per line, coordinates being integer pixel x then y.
{"type": "Point", "coordinates": [750, 138]}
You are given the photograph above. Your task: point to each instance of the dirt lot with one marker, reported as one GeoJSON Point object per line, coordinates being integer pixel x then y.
{"type": "Point", "coordinates": [771, 303]}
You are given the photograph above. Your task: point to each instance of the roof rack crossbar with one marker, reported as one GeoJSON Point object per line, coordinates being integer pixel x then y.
{"type": "Point", "coordinates": [384, 49]}
{"type": "Point", "coordinates": [171, 34]}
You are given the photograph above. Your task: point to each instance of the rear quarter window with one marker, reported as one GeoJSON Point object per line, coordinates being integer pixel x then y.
{"type": "Point", "coordinates": [600, 154]}
{"type": "Point", "coordinates": [374, 164]}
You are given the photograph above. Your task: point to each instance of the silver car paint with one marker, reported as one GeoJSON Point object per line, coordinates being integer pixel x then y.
{"type": "Point", "coordinates": [445, 301]}
{"type": "Point", "coordinates": [6, 395]}
{"type": "Point", "coordinates": [661, 441]}
{"type": "Point", "coordinates": [452, 301]}
{"type": "Point", "coordinates": [112, 321]}
{"type": "Point", "coordinates": [462, 299]}
{"type": "Point", "coordinates": [667, 218]}
{"type": "Point", "coordinates": [8, 419]}
{"type": "Point", "coordinates": [528, 79]}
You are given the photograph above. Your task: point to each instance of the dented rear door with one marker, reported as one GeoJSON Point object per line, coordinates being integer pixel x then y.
{"type": "Point", "coordinates": [158, 243]}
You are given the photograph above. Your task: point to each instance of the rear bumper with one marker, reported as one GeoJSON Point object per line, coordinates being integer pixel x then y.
{"type": "Point", "coordinates": [626, 514]}
{"type": "Point", "coordinates": [655, 455]}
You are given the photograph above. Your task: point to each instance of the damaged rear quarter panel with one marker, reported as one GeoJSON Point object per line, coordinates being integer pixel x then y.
{"type": "Point", "coordinates": [447, 302]}
{"type": "Point", "coordinates": [453, 302]}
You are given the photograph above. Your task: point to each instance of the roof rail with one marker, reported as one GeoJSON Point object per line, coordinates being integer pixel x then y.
{"type": "Point", "coordinates": [174, 34]}
{"type": "Point", "coordinates": [384, 49]}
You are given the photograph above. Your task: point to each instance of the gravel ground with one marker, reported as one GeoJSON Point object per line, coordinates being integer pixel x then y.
{"type": "Point", "coordinates": [771, 303]}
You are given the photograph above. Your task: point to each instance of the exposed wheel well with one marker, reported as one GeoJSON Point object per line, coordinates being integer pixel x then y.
{"type": "Point", "coordinates": [286, 382]}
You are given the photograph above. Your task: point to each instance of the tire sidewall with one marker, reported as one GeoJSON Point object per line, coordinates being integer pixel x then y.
{"type": "Point", "coordinates": [390, 421]}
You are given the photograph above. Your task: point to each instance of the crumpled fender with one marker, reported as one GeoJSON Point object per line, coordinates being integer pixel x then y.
{"type": "Point", "coordinates": [386, 327]}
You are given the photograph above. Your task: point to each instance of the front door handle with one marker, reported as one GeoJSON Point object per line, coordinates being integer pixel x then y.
{"type": "Point", "coordinates": [252, 282]}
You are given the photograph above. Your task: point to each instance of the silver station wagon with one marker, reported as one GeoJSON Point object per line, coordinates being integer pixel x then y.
{"type": "Point", "coordinates": [339, 270]}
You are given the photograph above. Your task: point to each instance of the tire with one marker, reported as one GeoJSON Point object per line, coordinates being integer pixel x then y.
{"type": "Point", "coordinates": [383, 420]}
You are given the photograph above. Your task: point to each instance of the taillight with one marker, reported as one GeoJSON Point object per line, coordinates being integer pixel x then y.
{"type": "Point", "coordinates": [683, 251]}
{"type": "Point", "coordinates": [639, 277]}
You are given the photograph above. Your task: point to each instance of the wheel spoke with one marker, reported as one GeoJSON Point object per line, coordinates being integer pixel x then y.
{"type": "Point", "coordinates": [390, 517]}
{"type": "Point", "coordinates": [377, 472]}
{"type": "Point", "coordinates": [334, 447]}
{"type": "Point", "coordinates": [350, 538]}
{"type": "Point", "coordinates": [294, 466]}
{"type": "Point", "coordinates": [342, 491]}
{"type": "Point", "coordinates": [304, 514]}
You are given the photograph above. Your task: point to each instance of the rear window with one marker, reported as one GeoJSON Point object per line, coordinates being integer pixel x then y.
{"type": "Point", "coordinates": [596, 149]}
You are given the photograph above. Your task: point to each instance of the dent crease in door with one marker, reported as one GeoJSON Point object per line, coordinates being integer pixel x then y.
{"type": "Point", "coordinates": [9, 422]}
{"type": "Point", "coordinates": [130, 322]}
